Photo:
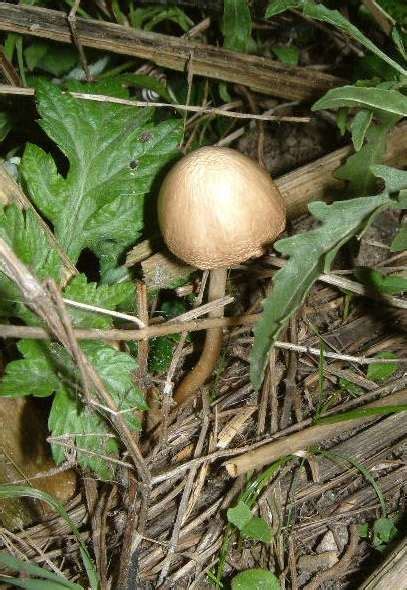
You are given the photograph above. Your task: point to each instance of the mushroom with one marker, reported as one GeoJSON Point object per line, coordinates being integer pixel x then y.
{"type": "Point", "coordinates": [217, 208]}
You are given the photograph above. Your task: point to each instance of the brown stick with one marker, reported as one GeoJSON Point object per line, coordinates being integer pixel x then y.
{"type": "Point", "coordinates": [258, 73]}
{"type": "Point", "coordinates": [301, 440]}
{"type": "Point", "coordinates": [212, 346]}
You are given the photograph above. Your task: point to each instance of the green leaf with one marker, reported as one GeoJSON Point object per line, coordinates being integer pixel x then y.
{"type": "Point", "coordinates": [5, 125]}
{"type": "Point", "coordinates": [106, 296]}
{"type": "Point", "coordinates": [352, 388]}
{"type": "Point", "coordinates": [21, 230]}
{"type": "Point", "coordinates": [382, 372]}
{"type": "Point", "coordinates": [377, 99]}
{"type": "Point", "coordinates": [33, 375]}
{"type": "Point", "coordinates": [21, 491]}
{"type": "Point", "coordinates": [384, 531]}
{"type": "Point", "coordinates": [358, 168]}
{"type": "Point", "coordinates": [310, 254]}
{"type": "Point", "coordinates": [161, 353]}
{"type": "Point", "coordinates": [240, 515]}
{"type": "Point", "coordinates": [50, 57]}
{"type": "Point", "coordinates": [28, 240]}
{"type": "Point", "coordinates": [257, 529]}
{"type": "Point", "coordinates": [390, 284]}
{"type": "Point", "coordinates": [400, 241]}
{"type": "Point", "coordinates": [362, 413]}
{"type": "Point", "coordinates": [255, 579]}
{"type": "Point", "coordinates": [34, 584]}
{"type": "Point", "coordinates": [395, 180]}
{"type": "Point", "coordinates": [115, 153]}
{"type": "Point", "coordinates": [335, 18]}
{"type": "Point", "coordinates": [398, 41]}
{"type": "Point", "coordinates": [359, 127]}
{"type": "Point", "coordinates": [278, 6]}
{"type": "Point", "coordinates": [288, 55]}
{"type": "Point", "coordinates": [363, 530]}
{"type": "Point", "coordinates": [20, 565]}
{"type": "Point", "coordinates": [237, 25]}
{"type": "Point", "coordinates": [367, 474]}
{"type": "Point", "coordinates": [90, 430]}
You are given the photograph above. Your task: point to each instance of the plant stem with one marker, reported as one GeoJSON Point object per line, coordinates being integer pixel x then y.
{"type": "Point", "coordinates": [212, 345]}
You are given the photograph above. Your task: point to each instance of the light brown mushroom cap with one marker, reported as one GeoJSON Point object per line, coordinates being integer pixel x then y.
{"type": "Point", "coordinates": [217, 208]}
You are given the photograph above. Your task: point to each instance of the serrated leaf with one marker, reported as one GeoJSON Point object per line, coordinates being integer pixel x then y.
{"type": "Point", "coordinates": [237, 25]}
{"type": "Point", "coordinates": [33, 375]}
{"type": "Point", "coordinates": [377, 99]}
{"type": "Point", "coordinates": [400, 241]}
{"type": "Point", "coordinates": [310, 254]}
{"type": "Point", "coordinates": [22, 232]}
{"type": "Point", "coordinates": [278, 6]}
{"type": "Point", "coordinates": [115, 153]}
{"type": "Point", "coordinates": [255, 579]}
{"type": "Point", "coordinates": [90, 435]}
{"type": "Point", "coordinates": [240, 515]}
{"type": "Point", "coordinates": [382, 372]}
{"type": "Point", "coordinates": [91, 431]}
{"type": "Point", "coordinates": [257, 529]}
{"type": "Point", "coordinates": [106, 296]}
{"type": "Point", "coordinates": [359, 127]}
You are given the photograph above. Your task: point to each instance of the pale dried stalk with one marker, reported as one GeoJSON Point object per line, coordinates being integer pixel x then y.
{"type": "Point", "coordinates": [20, 91]}
{"type": "Point", "coordinates": [261, 74]}
{"type": "Point", "coordinates": [234, 426]}
{"type": "Point", "coordinates": [13, 331]}
{"type": "Point", "coordinates": [299, 441]}
{"type": "Point", "coordinates": [390, 574]}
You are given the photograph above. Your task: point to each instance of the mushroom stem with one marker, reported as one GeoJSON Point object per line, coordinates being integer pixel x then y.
{"type": "Point", "coordinates": [212, 345]}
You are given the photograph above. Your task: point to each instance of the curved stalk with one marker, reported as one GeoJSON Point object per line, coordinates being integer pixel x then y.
{"type": "Point", "coordinates": [212, 345]}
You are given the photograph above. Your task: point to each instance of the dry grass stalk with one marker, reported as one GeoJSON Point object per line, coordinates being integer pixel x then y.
{"type": "Point", "coordinates": [299, 441]}
{"type": "Point", "coordinates": [258, 73]}
{"type": "Point", "coordinates": [234, 426]}
{"type": "Point", "coordinates": [391, 573]}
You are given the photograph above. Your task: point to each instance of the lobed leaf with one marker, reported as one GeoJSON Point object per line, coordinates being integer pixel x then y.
{"type": "Point", "coordinates": [90, 431]}
{"type": "Point", "coordinates": [106, 296]}
{"type": "Point", "coordinates": [310, 254]}
{"type": "Point", "coordinates": [114, 152]}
